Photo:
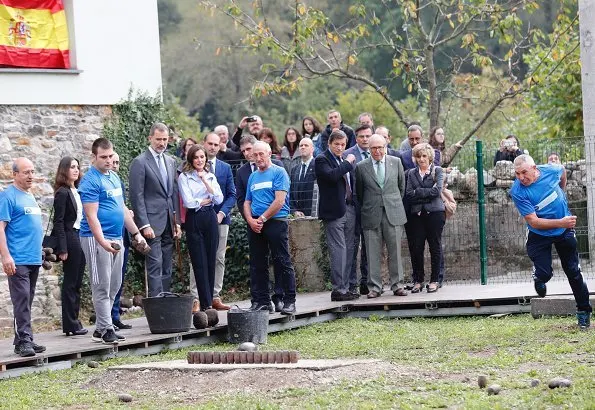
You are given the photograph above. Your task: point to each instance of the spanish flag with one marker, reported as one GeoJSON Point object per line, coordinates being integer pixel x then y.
{"type": "Point", "coordinates": [33, 34]}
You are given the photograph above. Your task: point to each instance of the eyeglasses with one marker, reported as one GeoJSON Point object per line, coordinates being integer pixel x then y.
{"type": "Point", "coordinates": [376, 148]}
{"type": "Point", "coordinates": [116, 162]}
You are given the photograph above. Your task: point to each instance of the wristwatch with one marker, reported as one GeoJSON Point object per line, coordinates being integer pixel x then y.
{"type": "Point", "coordinates": [263, 218]}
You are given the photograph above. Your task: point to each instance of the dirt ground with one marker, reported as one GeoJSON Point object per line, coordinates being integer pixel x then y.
{"type": "Point", "coordinates": [184, 385]}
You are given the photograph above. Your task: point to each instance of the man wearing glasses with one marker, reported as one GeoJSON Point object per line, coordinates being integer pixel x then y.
{"type": "Point", "coordinates": [380, 187]}
{"type": "Point", "coordinates": [21, 235]}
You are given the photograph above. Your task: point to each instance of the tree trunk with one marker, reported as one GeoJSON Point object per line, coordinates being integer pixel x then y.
{"type": "Point", "coordinates": [434, 103]}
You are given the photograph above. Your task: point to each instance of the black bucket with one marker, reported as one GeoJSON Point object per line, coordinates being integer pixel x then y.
{"type": "Point", "coordinates": [168, 312]}
{"type": "Point", "coordinates": [244, 325]}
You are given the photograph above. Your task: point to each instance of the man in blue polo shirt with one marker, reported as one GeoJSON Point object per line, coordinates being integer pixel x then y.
{"type": "Point", "coordinates": [104, 217]}
{"type": "Point", "coordinates": [21, 235]}
{"type": "Point", "coordinates": [266, 210]}
{"type": "Point", "coordinates": [539, 198]}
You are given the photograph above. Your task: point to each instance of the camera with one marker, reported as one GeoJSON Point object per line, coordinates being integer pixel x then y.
{"type": "Point", "coordinates": [509, 143]}
{"type": "Point", "coordinates": [252, 118]}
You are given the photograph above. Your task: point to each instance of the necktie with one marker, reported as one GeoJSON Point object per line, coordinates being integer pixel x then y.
{"type": "Point", "coordinates": [254, 167]}
{"type": "Point", "coordinates": [380, 174]}
{"type": "Point", "coordinates": [162, 170]}
{"type": "Point", "coordinates": [211, 167]}
{"type": "Point", "coordinates": [303, 172]}
{"type": "Point", "coordinates": [366, 154]}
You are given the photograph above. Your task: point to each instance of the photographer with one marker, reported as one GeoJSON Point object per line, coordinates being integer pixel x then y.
{"type": "Point", "coordinates": [509, 149]}
{"type": "Point", "coordinates": [254, 123]}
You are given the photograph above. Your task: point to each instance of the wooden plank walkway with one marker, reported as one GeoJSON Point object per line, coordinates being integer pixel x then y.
{"type": "Point", "coordinates": [63, 351]}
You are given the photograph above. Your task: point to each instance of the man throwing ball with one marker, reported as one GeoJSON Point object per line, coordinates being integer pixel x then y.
{"type": "Point", "coordinates": [540, 200]}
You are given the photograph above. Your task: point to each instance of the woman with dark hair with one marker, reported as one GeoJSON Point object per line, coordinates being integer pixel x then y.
{"type": "Point", "coordinates": [311, 129]}
{"type": "Point", "coordinates": [68, 212]}
{"type": "Point", "coordinates": [185, 146]}
{"type": "Point", "coordinates": [509, 149]}
{"type": "Point", "coordinates": [200, 192]}
{"type": "Point", "coordinates": [267, 135]}
{"type": "Point", "coordinates": [438, 142]}
{"type": "Point", "coordinates": [289, 151]}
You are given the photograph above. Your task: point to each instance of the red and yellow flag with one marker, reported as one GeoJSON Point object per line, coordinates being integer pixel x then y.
{"type": "Point", "coordinates": [33, 34]}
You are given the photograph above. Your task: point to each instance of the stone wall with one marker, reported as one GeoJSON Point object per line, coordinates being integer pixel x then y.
{"type": "Point", "coordinates": [44, 134]}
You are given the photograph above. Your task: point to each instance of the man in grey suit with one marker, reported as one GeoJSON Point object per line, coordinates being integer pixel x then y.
{"type": "Point", "coordinates": [154, 198]}
{"type": "Point", "coordinates": [361, 151]}
{"type": "Point", "coordinates": [380, 187]}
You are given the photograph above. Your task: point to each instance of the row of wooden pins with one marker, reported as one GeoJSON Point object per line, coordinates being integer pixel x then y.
{"type": "Point", "coordinates": [237, 357]}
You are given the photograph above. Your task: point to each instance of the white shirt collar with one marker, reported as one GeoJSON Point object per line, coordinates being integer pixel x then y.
{"type": "Point", "coordinates": [155, 153]}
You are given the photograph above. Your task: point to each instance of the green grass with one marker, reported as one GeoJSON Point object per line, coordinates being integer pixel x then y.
{"type": "Point", "coordinates": [446, 355]}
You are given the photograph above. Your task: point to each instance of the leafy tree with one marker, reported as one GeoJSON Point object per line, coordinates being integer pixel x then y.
{"type": "Point", "coordinates": [556, 92]}
{"type": "Point", "coordinates": [430, 43]}
{"type": "Point", "coordinates": [169, 17]}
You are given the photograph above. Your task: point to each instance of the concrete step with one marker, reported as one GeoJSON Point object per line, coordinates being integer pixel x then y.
{"type": "Point", "coordinates": [555, 306]}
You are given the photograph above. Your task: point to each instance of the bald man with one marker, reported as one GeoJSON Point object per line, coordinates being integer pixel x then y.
{"type": "Point", "coordinates": [21, 236]}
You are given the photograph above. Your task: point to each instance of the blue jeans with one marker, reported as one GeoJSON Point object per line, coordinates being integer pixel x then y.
{"type": "Point", "coordinates": [539, 249]}
{"type": "Point", "coordinates": [273, 236]}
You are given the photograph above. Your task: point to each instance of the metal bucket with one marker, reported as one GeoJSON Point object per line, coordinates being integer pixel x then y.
{"type": "Point", "coordinates": [168, 312]}
{"type": "Point", "coordinates": [244, 325]}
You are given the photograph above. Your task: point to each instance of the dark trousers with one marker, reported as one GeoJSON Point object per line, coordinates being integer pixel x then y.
{"type": "Point", "coordinates": [539, 249]}
{"type": "Point", "coordinates": [202, 235]}
{"type": "Point", "coordinates": [159, 261]}
{"type": "Point", "coordinates": [74, 269]}
{"type": "Point", "coordinates": [273, 236]}
{"type": "Point", "coordinates": [116, 307]}
{"type": "Point", "coordinates": [363, 262]}
{"type": "Point", "coordinates": [21, 286]}
{"type": "Point", "coordinates": [426, 227]}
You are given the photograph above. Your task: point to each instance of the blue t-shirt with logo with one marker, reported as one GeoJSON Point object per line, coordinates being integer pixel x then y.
{"type": "Point", "coordinates": [544, 197]}
{"type": "Point", "coordinates": [261, 190]}
{"type": "Point", "coordinates": [107, 191]}
{"type": "Point", "coordinates": [24, 231]}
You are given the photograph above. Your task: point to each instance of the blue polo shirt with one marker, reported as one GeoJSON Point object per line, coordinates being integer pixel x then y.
{"type": "Point", "coordinates": [544, 197]}
{"type": "Point", "coordinates": [24, 231]}
{"type": "Point", "coordinates": [107, 190]}
{"type": "Point", "coordinates": [261, 190]}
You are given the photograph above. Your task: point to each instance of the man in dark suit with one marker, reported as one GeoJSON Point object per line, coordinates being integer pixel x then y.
{"type": "Point", "coordinates": [224, 177]}
{"type": "Point", "coordinates": [361, 151]}
{"type": "Point", "coordinates": [154, 198]}
{"type": "Point", "coordinates": [242, 176]}
{"type": "Point", "coordinates": [228, 151]}
{"type": "Point", "coordinates": [380, 187]}
{"type": "Point", "coordinates": [303, 180]}
{"type": "Point", "coordinates": [382, 130]}
{"type": "Point", "coordinates": [336, 209]}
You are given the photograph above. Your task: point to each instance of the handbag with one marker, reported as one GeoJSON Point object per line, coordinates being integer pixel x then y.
{"type": "Point", "coordinates": [450, 204]}
{"type": "Point", "coordinates": [49, 241]}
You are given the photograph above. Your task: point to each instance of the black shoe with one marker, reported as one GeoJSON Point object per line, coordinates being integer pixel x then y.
{"type": "Point", "coordinates": [37, 348]}
{"type": "Point", "coordinates": [278, 304]}
{"type": "Point", "coordinates": [540, 288]}
{"type": "Point", "coordinates": [24, 349]}
{"type": "Point", "coordinates": [79, 332]}
{"type": "Point", "coordinates": [110, 337]}
{"type": "Point", "coordinates": [342, 297]}
{"type": "Point", "coordinates": [288, 308]}
{"type": "Point", "coordinates": [120, 325]}
{"type": "Point", "coordinates": [260, 306]}
{"type": "Point", "coordinates": [96, 337]}
{"type": "Point", "coordinates": [363, 289]}
{"type": "Point", "coordinates": [92, 319]}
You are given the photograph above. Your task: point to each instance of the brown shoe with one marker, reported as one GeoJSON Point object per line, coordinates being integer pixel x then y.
{"type": "Point", "coordinates": [400, 292]}
{"type": "Point", "coordinates": [218, 305]}
{"type": "Point", "coordinates": [373, 294]}
{"type": "Point", "coordinates": [195, 306]}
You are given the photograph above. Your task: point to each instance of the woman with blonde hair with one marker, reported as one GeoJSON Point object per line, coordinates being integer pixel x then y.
{"type": "Point", "coordinates": [426, 214]}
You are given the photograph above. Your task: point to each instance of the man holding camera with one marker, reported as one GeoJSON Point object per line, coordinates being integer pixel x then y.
{"type": "Point", "coordinates": [509, 149]}
{"type": "Point", "coordinates": [254, 123]}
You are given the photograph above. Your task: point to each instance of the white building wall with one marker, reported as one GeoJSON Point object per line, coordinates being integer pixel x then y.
{"type": "Point", "coordinates": [115, 44]}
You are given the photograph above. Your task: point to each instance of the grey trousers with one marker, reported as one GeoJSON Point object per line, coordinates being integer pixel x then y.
{"type": "Point", "coordinates": [105, 277]}
{"type": "Point", "coordinates": [340, 239]}
{"type": "Point", "coordinates": [21, 286]}
{"type": "Point", "coordinates": [159, 261]}
{"type": "Point", "coordinates": [391, 236]}
{"type": "Point", "coordinates": [219, 264]}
